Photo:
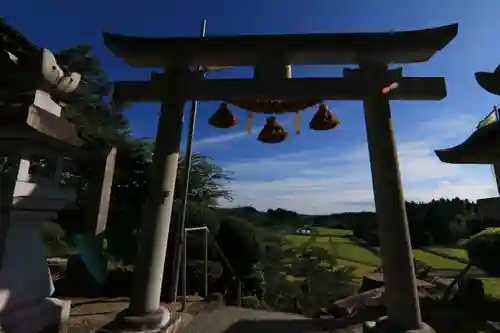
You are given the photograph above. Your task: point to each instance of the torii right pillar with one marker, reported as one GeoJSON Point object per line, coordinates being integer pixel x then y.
{"type": "Point", "coordinates": [401, 299]}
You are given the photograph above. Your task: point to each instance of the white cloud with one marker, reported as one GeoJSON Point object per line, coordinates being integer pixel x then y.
{"type": "Point", "coordinates": [298, 161]}
{"type": "Point", "coordinates": [218, 139]}
{"type": "Point", "coordinates": [343, 183]}
{"type": "Point", "coordinates": [215, 140]}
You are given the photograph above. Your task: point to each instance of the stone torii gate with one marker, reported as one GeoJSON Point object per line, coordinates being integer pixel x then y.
{"type": "Point", "coordinates": [270, 55]}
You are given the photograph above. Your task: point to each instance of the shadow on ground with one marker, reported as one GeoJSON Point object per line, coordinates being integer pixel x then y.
{"type": "Point", "coordinates": [442, 316]}
{"type": "Point", "coordinates": [292, 326]}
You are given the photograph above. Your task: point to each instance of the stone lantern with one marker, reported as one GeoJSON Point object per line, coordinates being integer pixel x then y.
{"type": "Point", "coordinates": [31, 88]}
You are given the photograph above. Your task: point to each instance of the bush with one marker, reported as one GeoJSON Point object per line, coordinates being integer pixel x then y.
{"type": "Point", "coordinates": [483, 250]}
{"type": "Point", "coordinates": [196, 275]}
{"type": "Point", "coordinates": [54, 243]}
{"type": "Point", "coordinates": [238, 241]}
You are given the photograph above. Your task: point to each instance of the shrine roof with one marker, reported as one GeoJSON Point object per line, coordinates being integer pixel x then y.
{"type": "Point", "coordinates": [482, 147]}
{"type": "Point", "coordinates": [302, 49]}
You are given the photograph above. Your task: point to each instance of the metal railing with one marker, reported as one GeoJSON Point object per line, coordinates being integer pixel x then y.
{"type": "Point", "coordinates": [227, 265]}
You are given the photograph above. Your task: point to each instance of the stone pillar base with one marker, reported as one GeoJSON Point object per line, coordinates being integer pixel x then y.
{"type": "Point", "coordinates": [384, 325]}
{"type": "Point", "coordinates": [153, 322]}
{"type": "Point", "coordinates": [51, 315]}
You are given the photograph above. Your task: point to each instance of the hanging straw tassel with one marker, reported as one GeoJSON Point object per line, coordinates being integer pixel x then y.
{"type": "Point", "coordinates": [248, 123]}
{"type": "Point", "coordinates": [296, 123]}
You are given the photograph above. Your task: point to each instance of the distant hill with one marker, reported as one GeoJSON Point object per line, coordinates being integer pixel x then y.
{"type": "Point", "coordinates": [443, 221]}
{"type": "Point", "coordinates": [284, 217]}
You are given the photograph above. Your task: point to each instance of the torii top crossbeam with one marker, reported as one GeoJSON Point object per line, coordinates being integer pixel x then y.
{"type": "Point", "coordinates": [272, 53]}
{"type": "Point", "coordinates": [304, 49]}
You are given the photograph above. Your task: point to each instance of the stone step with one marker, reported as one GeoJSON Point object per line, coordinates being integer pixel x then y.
{"type": "Point", "coordinates": [203, 315]}
{"type": "Point", "coordinates": [241, 320]}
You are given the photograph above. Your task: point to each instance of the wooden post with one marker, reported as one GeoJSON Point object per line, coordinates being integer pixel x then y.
{"type": "Point", "coordinates": [496, 173]}
{"type": "Point", "coordinates": [205, 262]}
{"type": "Point", "coordinates": [401, 296]}
{"type": "Point", "coordinates": [100, 193]}
{"type": "Point", "coordinates": [184, 269]}
{"type": "Point", "coordinates": [238, 292]}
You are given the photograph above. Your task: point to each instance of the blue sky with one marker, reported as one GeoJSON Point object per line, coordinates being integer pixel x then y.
{"type": "Point", "coordinates": [314, 172]}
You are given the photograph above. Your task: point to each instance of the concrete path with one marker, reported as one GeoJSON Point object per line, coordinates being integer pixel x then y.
{"type": "Point", "coordinates": [451, 273]}
{"type": "Point", "coordinates": [240, 320]}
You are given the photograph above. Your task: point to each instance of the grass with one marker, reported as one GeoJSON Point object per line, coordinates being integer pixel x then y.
{"type": "Point", "coordinates": [454, 252]}
{"type": "Point", "coordinates": [332, 231]}
{"type": "Point", "coordinates": [292, 278]}
{"type": "Point", "coordinates": [344, 248]}
{"type": "Point", "coordinates": [437, 262]}
{"type": "Point", "coordinates": [347, 249]}
{"type": "Point", "coordinates": [359, 268]}
{"type": "Point", "coordinates": [297, 239]}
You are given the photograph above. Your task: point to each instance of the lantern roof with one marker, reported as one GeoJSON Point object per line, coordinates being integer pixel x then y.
{"type": "Point", "coordinates": [301, 49]}
{"type": "Point", "coordinates": [26, 123]}
{"type": "Point", "coordinates": [13, 41]}
{"type": "Point", "coordinates": [482, 147]}
{"type": "Point", "coordinates": [489, 81]}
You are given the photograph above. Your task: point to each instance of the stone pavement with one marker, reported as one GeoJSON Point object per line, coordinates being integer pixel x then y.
{"type": "Point", "coordinates": [240, 320]}
{"type": "Point", "coordinates": [88, 315]}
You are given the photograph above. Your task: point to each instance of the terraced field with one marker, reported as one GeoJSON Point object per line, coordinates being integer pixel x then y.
{"type": "Point", "coordinates": [437, 262]}
{"type": "Point", "coordinates": [347, 251]}
{"type": "Point", "coordinates": [363, 260]}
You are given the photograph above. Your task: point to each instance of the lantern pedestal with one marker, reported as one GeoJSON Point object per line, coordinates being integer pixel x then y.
{"type": "Point", "coordinates": [26, 285]}
{"type": "Point", "coordinates": [25, 281]}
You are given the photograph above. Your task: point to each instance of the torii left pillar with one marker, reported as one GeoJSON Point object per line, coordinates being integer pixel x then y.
{"type": "Point", "coordinates": [145, 312]}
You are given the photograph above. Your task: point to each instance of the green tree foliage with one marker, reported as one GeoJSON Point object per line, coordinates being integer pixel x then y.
{"type": "Point", "coordinates": [305, 278]}
{"type": "Point", "coordinates": [440, 221]}
{"type": "Point", "coordinates": [103, 124]}
{"type": "Point", "coordinates": [206, 181]}
{"type": "Point", "coordinates": [95, 115]}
